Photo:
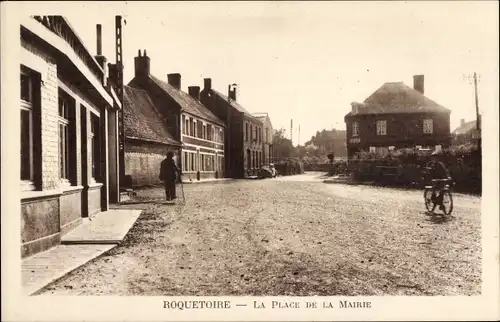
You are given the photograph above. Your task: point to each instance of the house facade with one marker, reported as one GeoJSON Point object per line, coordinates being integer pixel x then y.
{"type": "Point", "coordinates": [267, 139]}
{"type": "Point", "coordinates": [397, 116]}
{"type": "Point", "coordinates": [466, 133]}
{"type": "Point", "coordinates": [187, 120]}
{"type": "Point", "coordinates": [69, 143]}
{"type": "Point", "coordinates": [244, 132]}
{"type": "Point", "coordinates": [147, 140]}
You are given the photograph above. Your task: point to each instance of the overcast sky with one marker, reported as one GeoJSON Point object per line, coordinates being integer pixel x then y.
{"type": "Point", "coordinates": [308, 61]}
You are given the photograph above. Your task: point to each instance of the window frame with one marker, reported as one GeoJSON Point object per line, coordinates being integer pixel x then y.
{"type": "Point", "coordinates": [95, 146]}
{"type": "Point", "coordinates": [28, 106]}
{"type": "Point", "coordinates": [355, 125]}
{"type": "Point", "coordinates": [430, 125]}
{"type": "Point", "coordinates": [381, 130]}
{"type": "Point", "coordinates": [64, 122]}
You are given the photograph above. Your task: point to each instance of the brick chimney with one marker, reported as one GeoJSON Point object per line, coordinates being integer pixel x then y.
{"type": "Point", "coordinates": [194, 91]}
{"type": "Point", "coordinates": [418, 83]}
{"type": "Point", "coordinates": [208, 84]}
{"type": "Point", "coordinates": [142, 65]}
{"type": "Point", "coordinates": [462, 122]}
{"type": "Point", "coordinates": [232, 93]}
{"type": "Point", "coordinates": [174, 80]}
{"type": "Point", "coordinates": [101, 60]}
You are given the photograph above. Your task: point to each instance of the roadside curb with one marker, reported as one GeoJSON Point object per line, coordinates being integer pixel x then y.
{"type": "Point", "coordinates": [55, 279]}
{"type": "Point", "coordinates": [82, 245]}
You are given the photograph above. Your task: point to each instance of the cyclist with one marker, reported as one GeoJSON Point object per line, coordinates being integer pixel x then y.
{"type": "Point", "coordinates": [440, 174]}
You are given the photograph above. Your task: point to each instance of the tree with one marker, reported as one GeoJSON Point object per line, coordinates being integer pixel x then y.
{"type": "Point", "coordinates": [283, 147]}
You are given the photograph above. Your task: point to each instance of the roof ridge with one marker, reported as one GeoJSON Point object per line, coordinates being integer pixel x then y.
{"type": "Point", "coordinates": [199, 110]}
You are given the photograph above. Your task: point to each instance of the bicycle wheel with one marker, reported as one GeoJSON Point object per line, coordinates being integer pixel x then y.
{"type": "Point", "coordinates": [429, 204]}
{"type": "Point", "coordinates": [447, 203]}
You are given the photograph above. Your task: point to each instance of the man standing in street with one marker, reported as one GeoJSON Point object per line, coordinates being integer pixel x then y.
{"type": "Point", "coordinates": [168, 174]}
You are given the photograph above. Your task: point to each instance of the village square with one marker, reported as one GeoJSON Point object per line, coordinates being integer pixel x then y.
{"type": "Point", "coordinates": [149, 184]}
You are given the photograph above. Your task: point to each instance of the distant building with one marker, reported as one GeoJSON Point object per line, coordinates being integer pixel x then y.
{"type": "Point", "coordinates": [267, 139]}
{"type": "Point", "coordinates": [69, 137]}
{"type": "Point", "coordinates": [397, 116]}
{"type": "Point", "coordinates": [186, 119]}
{"type": "Point", "coordinates": [244, 132]}
{"type": "Point", "coordinates": [147, 139]}
{"type": "Point", "coordinates": [466, 132]}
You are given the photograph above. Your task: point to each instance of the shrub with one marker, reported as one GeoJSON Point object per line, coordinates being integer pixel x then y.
{"type": "Point", "coordinates": [463, 162]}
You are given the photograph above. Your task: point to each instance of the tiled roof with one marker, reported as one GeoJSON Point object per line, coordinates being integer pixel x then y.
{"type": "Point", "coordinates": [466, 128]}
{"type": "Point", "coordinates": [142, 120]}
{"type": "Point", "coordinates": [398, 98]}
{"type": "Point", "coordinates": [187, 103]}
{"type": "Point", "coordinates": [233, 103]}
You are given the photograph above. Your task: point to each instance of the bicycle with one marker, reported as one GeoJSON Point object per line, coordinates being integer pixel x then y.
{"type": "Point", "coordinates": [431, 199]}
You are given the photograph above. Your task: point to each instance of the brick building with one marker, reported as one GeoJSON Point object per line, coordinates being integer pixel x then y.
{"type": "Point", "coordinates": [467, 132]}
{"type": "Point", "coordinates": [267, 140]}
{"type": "Point", "coordinates": [244, 132]}
{"type": "Point", "coordinates": [69, 149]}
{"type": "Point", "coordinates": [397, 116]}
{"type": "Point", "coordinates": [188, 121]}
{"type": "Point", "coordinates": [147, 139]}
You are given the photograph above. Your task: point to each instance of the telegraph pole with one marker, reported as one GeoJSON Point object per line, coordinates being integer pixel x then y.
{"type": "Point", "coordinates": [474, 81]}
{"type": "Point", "coordinates": [299, 136]}
{"type": "Point", "coordinates": [119, 67]}
{"type": "Point", "coordinates": [477, 101]}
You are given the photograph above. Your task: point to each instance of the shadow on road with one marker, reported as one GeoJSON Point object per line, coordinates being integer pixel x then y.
{"type": "Point", "coordinates": [438, 218]}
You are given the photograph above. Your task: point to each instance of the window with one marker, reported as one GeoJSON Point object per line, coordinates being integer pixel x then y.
{"type": "Point", "coordinates": [26, 127]}
{"type": "Point", "coordinates": [192, 161]}
{"type": "Point", "coordinates": [212, 135]}
{"type": "Point", "coordinates": [355, 128]}
{"type": "Point", "coordinates": [246, 132]}
{"type": "Point", "coordinates": [94, 150]}
{"type": "Point", "coordinates": [64, 164]}
{"type": "Point", "coordinates": [373, 149]}
{"type": "Point", "coordinates": [183, 124]}
{"type": "Point", "coordinates": [428, 126]}
{"type": "Point", "coordinates": [251, 132]}
{"type": "Point", "coordinates": [199, 130]}
{"type": "Point", "coordinates": [381, 127]}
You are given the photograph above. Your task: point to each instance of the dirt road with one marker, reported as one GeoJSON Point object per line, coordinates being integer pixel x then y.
{"type": "Point", "coordinates": [290, 236]}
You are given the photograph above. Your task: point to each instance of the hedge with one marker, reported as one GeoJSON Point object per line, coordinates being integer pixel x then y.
{"type": "Point", "coordinates": [405, 167]}
{"type": "Point", "coordinates": [290, 167]}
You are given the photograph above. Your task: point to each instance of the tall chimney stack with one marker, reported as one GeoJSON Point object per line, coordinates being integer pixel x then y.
{"type": "Point", "coordinates": [174, 80]}
{"type": "Point", "coordinates": [232, 93]}
{"type": "Point", "coordinates": [208, 84]}
{"type": "Point", "coordinates": [99, 39]}
{"type": "Point", "coordinates": [142, 65]}
{"type": "Point", "coordinates": [194, 91]}
{"type": "Point", "coordinates": [418, 83]}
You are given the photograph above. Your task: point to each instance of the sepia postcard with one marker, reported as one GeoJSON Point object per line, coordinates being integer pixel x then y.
{"type": "Point", "coordinates": [250, 160]}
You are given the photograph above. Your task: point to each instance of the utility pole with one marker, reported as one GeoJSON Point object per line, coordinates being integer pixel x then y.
{"type": "Point", "coordinates": [477, 103]}
{"type": "Point", "coordinates": [299, 136]}
{"type": "Point", "coordinates": [291, 130]}
{"type": "Point", "coordinates": [119, 67]}
{"type": "Point", "coordinates": [477, 133]}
